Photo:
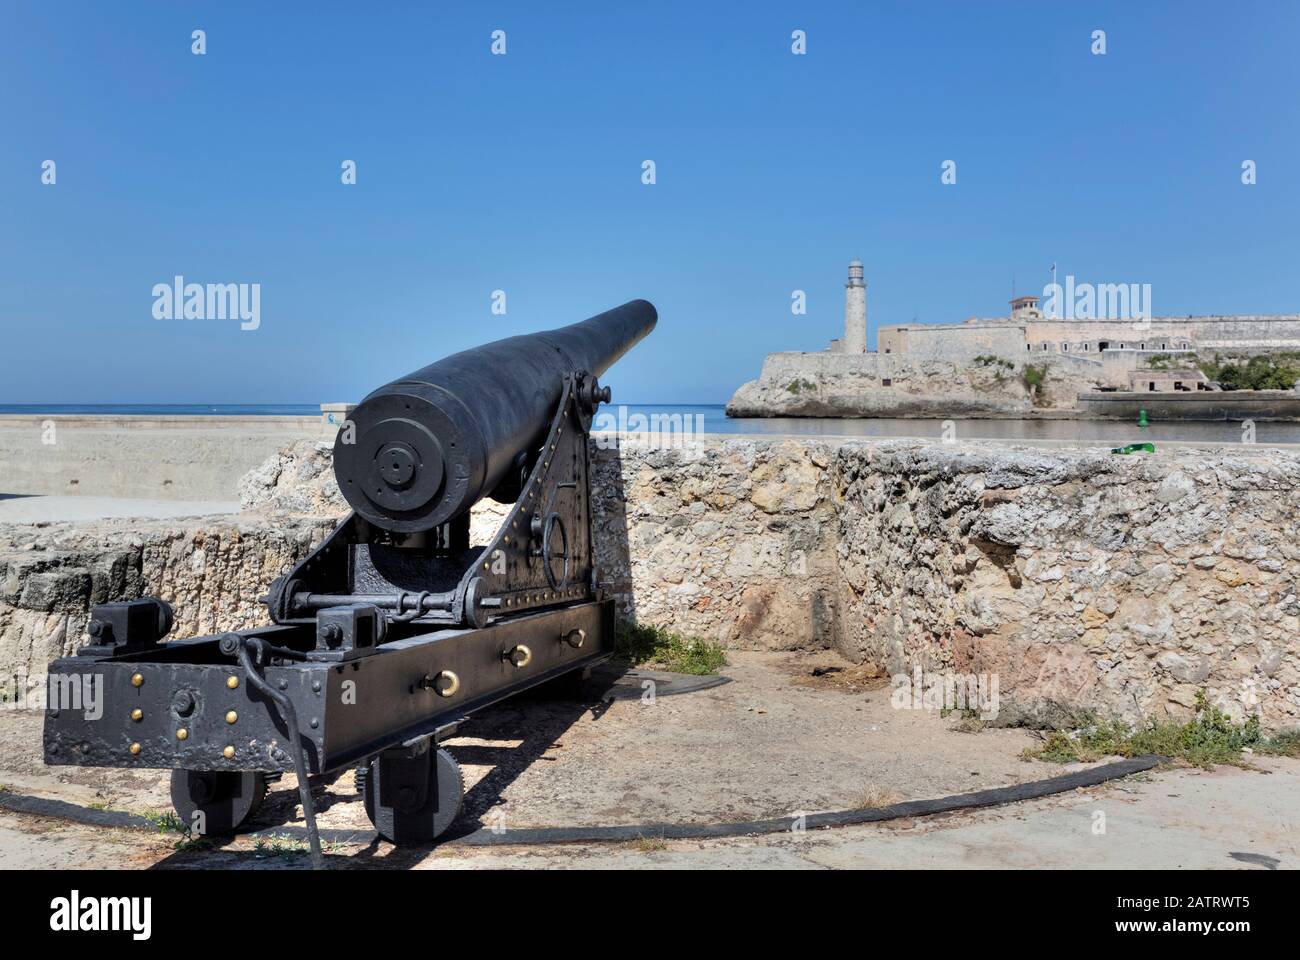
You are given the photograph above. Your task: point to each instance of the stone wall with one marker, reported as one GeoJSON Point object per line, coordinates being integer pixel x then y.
{"type": "Point", "coordinates": [1084, 581]}
{"type": "Point", "coordinates": [212, 570]}
{"type": "Point", "coordinates": [962, 343]}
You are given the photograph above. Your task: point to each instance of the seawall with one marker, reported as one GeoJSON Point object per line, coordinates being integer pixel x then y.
{"type": "Point", "coordinates": [1083, 581]}
{"type": "Point", "coordinates": [1201, 405]}
{"type": "Point", "coordinates": [181, 458]}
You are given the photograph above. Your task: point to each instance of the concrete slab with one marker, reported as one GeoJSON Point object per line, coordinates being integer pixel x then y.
{"type": "Point", "coordinates": [23, 509]}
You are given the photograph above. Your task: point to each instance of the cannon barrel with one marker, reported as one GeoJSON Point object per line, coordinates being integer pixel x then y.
{"type": "Point", "coordinates": [428, 446]}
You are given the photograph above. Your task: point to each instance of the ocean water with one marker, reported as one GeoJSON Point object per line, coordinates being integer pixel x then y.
{"type": "Point", "coordinates": [711, 418]}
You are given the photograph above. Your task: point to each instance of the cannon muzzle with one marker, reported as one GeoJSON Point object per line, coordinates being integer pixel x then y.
{"type": "Point", "coordinates": [428, 446]}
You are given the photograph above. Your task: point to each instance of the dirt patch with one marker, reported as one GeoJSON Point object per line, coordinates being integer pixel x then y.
{"type": "Point", "coordinates": [772, 742]}
{"type": "Point", "coordinates": [827, 670]}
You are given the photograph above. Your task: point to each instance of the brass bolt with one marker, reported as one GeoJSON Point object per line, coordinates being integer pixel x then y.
{"type": "Point", "coordinates": [182, 734]}
{"type": "Point", "coordinates": [445, 684]}
{"type": "Point", "coordinates": [137, 714]}
{"type": "Point", "coordinates": [228, 753]}
{"type": "Point", "coordinates": [135, 749]}
{"type": "Point", "coordinates": [231, 717]}
{"type": "Point", "coordinates": [137, 679]}
{"type": "Point", "coordinates": [232, 682]}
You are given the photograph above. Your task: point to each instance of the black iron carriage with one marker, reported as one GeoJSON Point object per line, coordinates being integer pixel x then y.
{"type": "Point", "coordinates": [395, 628]}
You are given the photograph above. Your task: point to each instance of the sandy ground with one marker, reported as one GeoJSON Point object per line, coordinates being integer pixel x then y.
{"type": "Point", "coordinates": [20, 509]}
{"type": "Point", "coordinates": [773, 741]}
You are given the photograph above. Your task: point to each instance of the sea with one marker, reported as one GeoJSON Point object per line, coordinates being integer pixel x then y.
{"type": "Point", "coordinates": [710, 418]}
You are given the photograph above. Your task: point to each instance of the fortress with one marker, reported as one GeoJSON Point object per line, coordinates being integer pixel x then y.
{"type": "Point", "coordinates": [978, 367]}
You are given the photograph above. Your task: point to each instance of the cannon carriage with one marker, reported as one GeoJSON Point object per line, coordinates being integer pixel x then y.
{"type": "Point", "coordinates": [396, 628]}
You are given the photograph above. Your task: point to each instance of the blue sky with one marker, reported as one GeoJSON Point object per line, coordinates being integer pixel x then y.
{"type": "Point", "coordinates": [523, 173]}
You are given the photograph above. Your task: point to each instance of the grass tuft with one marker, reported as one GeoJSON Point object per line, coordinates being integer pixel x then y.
{"type": "Point", "coordinates": [873, 796]}
{"type": "Point", "coordinates": [193, 844]}
{"type": "Point", "coordinates": [283, 845]}
{"type": "Point", "coordinates": [165, 821]}
{"type": "Point", "coordinates": [1209, 738]}
{"type": "Point", "coordinates": [639, 643]}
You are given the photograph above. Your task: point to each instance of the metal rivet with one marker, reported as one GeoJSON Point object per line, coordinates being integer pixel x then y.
{"type": "Point", "coordinates": [315, 686]}
{"type": "Point", "coordinates": [135, 749]}
{"type": "Point", "coordinates": [137, 679]}
{"type": "Point", "coordinates": [315, 722]}
{"type": "Point", "coordinates": [137, 714]}
{"type": "Point", "coordinates": [182, 734]}
{"type": "Point", "coordinates": [228, 753]}
{"type": "Point", "coordinates": [231, 717]}
{"type": "Point", "coordinates": [232, 682]}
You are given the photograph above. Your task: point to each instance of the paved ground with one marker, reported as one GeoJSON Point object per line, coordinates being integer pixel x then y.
{"type": "Point", "coordinates": [1175, 819]}
{"type": "Point", "coordinates": [772, 741]}
{"type": "Point", "coordinates": [20, 509]}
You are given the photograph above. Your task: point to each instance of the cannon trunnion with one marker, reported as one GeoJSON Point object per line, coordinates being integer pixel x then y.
{"type": "Point", "coordinates": [396, 628]}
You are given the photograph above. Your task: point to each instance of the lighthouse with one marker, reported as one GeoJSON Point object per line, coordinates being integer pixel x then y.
{"type": "Point", "coordinates": [855, 310]}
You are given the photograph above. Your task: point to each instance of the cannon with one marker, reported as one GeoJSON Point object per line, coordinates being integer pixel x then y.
{"type": "Point", "coordinates": [396, 628]}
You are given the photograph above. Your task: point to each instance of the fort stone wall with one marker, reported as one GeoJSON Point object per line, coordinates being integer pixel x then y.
{"type": "Point", "coordinates": [1083, 581]}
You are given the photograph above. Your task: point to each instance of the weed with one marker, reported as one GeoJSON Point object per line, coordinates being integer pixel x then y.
{"type": "Point", "coordinates": [1034, 379]}
{"type": "Point", "coordinates": [1210, 737]}
{"type": "Point", "coordinates": [165, 821]}
{"type": "Point", "coordinates": [281, 845]}
{"type": "Point", "coordinates": [193, 844]}
{"type": "Point", "coordinates": [874, 795]}
{"type": "Point", "coordinates": [639, 643]}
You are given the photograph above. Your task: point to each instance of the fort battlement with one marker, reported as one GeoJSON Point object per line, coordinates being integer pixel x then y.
{"type": "Point", "coordinates": [967, 368]}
